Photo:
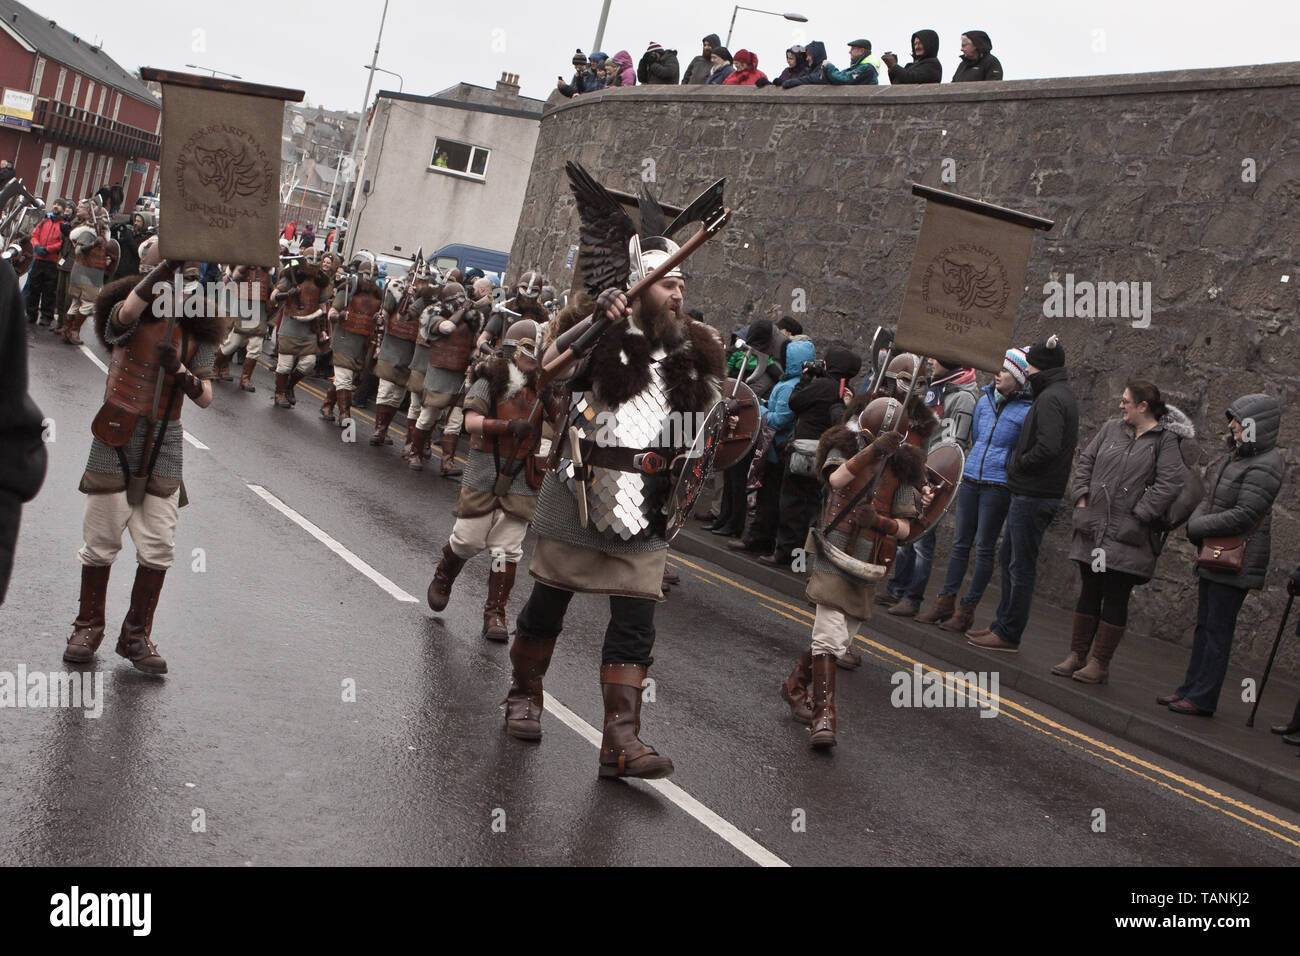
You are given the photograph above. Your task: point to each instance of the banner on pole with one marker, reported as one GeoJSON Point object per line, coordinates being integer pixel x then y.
{"type": "Point", "coordinates": [220, 168]}
{"type": "Point", "coordinates": [966, 281]}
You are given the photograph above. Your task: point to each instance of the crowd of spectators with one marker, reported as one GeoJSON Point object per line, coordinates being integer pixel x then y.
{"type": "Point", "coordinates": [715, 65]}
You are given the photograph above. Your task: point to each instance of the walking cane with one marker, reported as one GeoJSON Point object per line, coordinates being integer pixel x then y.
{"type": "Point", "coordinates": [1250, 721]}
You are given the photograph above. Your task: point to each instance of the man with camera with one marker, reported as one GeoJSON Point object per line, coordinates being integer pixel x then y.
{"type": "Point", "coordinates": [658, 66]}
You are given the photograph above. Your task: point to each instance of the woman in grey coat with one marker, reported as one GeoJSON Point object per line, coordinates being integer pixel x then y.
{"type": "Point", "coordinates": [1124, 482]}
{"type": "Point", "coordinates": [1239, 502]}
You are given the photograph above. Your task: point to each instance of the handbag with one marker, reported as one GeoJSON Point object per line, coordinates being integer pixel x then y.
{"type": "Point", "coordinates": [803, 456]}
{"type": "Point", "coordinates": [1227, 554]}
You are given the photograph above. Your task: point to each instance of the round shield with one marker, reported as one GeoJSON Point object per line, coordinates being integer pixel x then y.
{"type": "Point", "coordinates": [740, 430]}
{"type": "Point", "coordinates": [696, 469]}
{"type": "Point", "coordinates": [943, 469]}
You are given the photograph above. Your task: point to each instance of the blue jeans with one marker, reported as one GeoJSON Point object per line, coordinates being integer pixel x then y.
{"type": "Point", "coordinates": [904, 564]}
{"type": "Point", "coordinates": [981, 509]}
{"type": "Point", "coordinates": [910, 580]}
{"type": "Point", "coordinates": [1027, 521]}
{"type": "Point", "coordinates": [1216, 621]}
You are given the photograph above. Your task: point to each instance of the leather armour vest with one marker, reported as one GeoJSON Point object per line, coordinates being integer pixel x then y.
{"type": "Point", "coordinates": [406, 323]}
{"type": "Point", "coordinates": [96, 257]}
{"type": "Point", "coordinates": [359, 317]}
{"type": "Point", "coordinates": [452, 351]}
{"type": "Point", "coordinates": [515, 408]}
{"type": "Point", "coordinates": [306, 302]}
{"type": "Point", "coordinates": [133, 370]}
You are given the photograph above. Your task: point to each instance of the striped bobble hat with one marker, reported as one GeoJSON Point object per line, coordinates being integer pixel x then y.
{"type": "Point", "coordinates": [1015, 363]}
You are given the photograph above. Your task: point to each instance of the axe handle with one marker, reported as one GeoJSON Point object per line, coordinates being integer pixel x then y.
{"type": "Point", "coordinates": [588, 338]}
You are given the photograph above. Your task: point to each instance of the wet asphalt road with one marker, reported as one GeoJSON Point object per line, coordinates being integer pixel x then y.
{"type": "Point", "coordinates": [264, 627]}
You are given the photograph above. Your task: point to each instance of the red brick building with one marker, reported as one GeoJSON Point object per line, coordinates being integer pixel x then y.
{"type": "Point", "coordinates": [72, 119]}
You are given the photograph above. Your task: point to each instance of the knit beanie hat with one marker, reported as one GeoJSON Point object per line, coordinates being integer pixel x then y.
{"type": "Point", "coordinates": [653, 48]}
{"type": "Point", "coordinates": [1015, 363]}
{"type": "Point", "coordinates": [579, 58]}
{"type": "Point", "coordinates": [1049, 354]}
{"type": "Point", "coordinates": [723, 52]}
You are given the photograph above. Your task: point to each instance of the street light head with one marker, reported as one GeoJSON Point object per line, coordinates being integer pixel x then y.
{"type": "Point", "coordinates": [796, 17]}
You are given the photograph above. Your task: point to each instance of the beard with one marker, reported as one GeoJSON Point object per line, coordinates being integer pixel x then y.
{"type": "Point", "coordinates": [665, 327]}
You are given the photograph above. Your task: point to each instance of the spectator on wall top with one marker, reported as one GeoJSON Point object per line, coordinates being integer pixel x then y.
{"type": "Point", "coordinates": [925, 66]}
{"type": "Point", "coordinates": [977, 59]}
{"type": "Point", "coordinates": [658, 66]}
{"type": "Point", "coordinates": [862, 66]}
{"type": "Point", "coordinates": [626, 71]}
{"type": "Point", "coordinates": [745, 70]}
{"type": "Point", "coordinates": [722, 67]}
{"type": "Point", "coordinates": [796, 65]}
{"type": "Point", "coordinates": [814, 58]}
{"type": "Point", "coordinates": [584, 78]}
{"type": "Point", "coordinates": [697, 71]}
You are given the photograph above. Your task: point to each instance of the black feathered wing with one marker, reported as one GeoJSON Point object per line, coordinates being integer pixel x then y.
{"type": "Point", "coordinates": [603, 234]}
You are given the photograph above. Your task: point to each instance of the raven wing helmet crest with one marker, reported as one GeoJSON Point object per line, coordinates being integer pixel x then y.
{"type": "Point", "coordinates": [603, 233]}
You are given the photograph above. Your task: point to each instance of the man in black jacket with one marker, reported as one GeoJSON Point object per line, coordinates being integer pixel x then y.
{"type": "Point", "coordinates": [818, 401]}
{"type": "Point", "coordinates": [697, 71]}
{"type": "Point", "coordinates": [1037, 474]}
{"type": "Point", "coordinates": [977, 59]}
{"type": "Point", "coordinates": [925, 66]}
{"type": "Point", "coordinates": [658, 66]}
{"type": "Point", "coordinates": [22, 450]}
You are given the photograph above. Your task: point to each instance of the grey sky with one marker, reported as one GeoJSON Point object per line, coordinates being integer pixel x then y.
{"type": "Point", "coordinates": [321, 46]}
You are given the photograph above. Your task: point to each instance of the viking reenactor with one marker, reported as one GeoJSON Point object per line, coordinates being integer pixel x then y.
{"type": "Point", "coordinates": [527, 298]}
{"type": "Point", "coordinates": [95, 257]}
{"type": "Point", "coordinates": [302, 294]}
{"type": "Point", "coordinates": [252, 287]}
{"type": "Point", "coordinates": [602, 513]}
{"type": "Point", "coordinates": [354, 313]}
{"type": "Point", "coordinates": [133, 479]}
{"type": "Point", "coordinates": [450, 332]}
{"type": "Point", "coordinates": [498, 492]}
{"type": "Point", "coordinates": [404, 302]}
{"type": "Point", "coordinates": [878, 494]}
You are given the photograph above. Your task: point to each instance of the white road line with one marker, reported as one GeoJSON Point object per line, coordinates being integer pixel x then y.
{"type": "Point", "coordinates": [104, 368]}
{"type": "Point", "coordinates": [333, 545]}
{"type": "Point", "coordinates": [726, 830]}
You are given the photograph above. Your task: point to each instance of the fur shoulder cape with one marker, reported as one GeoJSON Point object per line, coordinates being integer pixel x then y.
{"type": "Point", "coordinates": [908, 463]}
{"type": "Point", "coordinates": [209, 330]}
{"type": "Point", "coordinates": [504, 378]}
{"type": "Point", "coordinates": [619, 365]}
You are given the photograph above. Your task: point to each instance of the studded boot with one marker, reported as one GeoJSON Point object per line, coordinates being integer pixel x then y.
{"type": "Point", "coordinates": [88, 628]}
{"type": "Point", "coordinates": [134, 642]}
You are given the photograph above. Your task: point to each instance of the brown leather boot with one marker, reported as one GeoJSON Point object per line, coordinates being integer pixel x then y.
{"type": "Point", "coordinates": [622, 752]}
{"type": "Point", "coordinates": [281, 398]}
{"type": "Point", "coordinates": [794, 689]}
{"type": "Point", "coordinates": [823, 701]}
{"type": "Point", "coordinates": [419, 442]}
{"type": "Point", "coordinates": [529, 660]}
{"type": "Point", "coordinates": [296, 376]}
{"type": "Point", "coordinates": [1097, 670]}
{"type": "Point", "coordinates": [961, 619]}
{"type": "Point", "coordinates": [411, 429]}
{"type": "Point", "coordinates": [327, 406]}
{"type": "Point", "coordinates": [1085, 627]}
{"type": "Point", "coordinates": [383, 418]}
{"type": "Point", "coordinates": [246, 376]}
{"type": "Point", "coordinates": [449, 467]}
{"type": "Point", "coordinates": [345, 405]}
{"type": "Point", "coordinates": [904, 608]}
{"type": "Point", "coordinates": [221, 368]}
{"type": "Point", "coordinates": [134, 643]}
{"type": "Point", "coordinates": [70, 329]}
{"type": "Point", "coordinates": [444, 577]}
{"type": "Point", "coordinates": [941, 611]}
{"type": "Point", "coordinates": [495, 626]}
{"type": "Point", "coordinates": [88, 628]}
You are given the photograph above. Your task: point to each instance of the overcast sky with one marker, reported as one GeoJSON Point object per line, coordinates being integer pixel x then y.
{"type": "Point", "coordinates": [322, 45]}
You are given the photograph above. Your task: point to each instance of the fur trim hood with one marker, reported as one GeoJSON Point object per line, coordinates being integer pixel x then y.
{"type": "Point", "coordinates": [1175, 421]}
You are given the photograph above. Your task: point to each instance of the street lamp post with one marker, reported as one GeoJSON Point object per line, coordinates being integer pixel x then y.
{"type": "Point", "coordinates": [380, 69]}
{"type": "Point", "coordinates": [365, 104]}
{"type": "Point", "coordinates": [208, 69]}
{"type": "Point", "coordinates": [796, 17]}
{"type": "Point", "coordinates": [600, 27]}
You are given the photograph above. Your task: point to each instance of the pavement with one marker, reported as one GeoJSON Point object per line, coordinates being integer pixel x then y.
{"type": "Point", "coordinates": [1143, 669]}
{"type": "Point", "coordinates": [317, 712]}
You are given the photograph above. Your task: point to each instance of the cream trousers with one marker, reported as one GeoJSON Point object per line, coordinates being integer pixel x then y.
{"type": "Point", "coordinates": [152, 524]}
{"type": "Point", "coordinates": [497, 531]}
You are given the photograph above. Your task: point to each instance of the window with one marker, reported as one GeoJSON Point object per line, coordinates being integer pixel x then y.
{"type": "Point", "coordinates": [460, 159]}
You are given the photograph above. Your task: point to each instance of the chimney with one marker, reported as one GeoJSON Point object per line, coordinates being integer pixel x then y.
{"type": "Point", "coordinates": [507, 87]}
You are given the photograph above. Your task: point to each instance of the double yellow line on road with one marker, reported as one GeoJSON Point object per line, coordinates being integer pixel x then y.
{"type": "Point", "coordinates": [1197, 792]}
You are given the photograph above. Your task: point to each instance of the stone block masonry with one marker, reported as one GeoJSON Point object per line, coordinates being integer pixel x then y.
{"type": "Point", "coordinates": [1187, 180]}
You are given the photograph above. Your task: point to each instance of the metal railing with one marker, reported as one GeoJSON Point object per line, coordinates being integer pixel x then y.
{"type": "Point", "coordinates": [78, 127]}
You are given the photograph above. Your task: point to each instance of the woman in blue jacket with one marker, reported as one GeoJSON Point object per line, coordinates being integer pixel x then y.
{"type": "Point", "coordinates": [983, 498]}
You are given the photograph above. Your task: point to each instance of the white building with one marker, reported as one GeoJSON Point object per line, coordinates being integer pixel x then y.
{"type": "Point", "coordinates": [443, 169]}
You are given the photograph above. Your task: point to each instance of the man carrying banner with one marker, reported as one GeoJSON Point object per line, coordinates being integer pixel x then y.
{"type": "Point", "coordinates": [133, 479]}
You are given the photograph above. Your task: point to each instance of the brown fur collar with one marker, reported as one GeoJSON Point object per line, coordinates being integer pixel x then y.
{"type": "Point", "coordinates": [497, 372]}
{"type": "Point", "coordinates": [210, 330]}
{"type": "Point", "coordinates": [619, 367]}
{"type": "Point", "coordinates": [908, 463]}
